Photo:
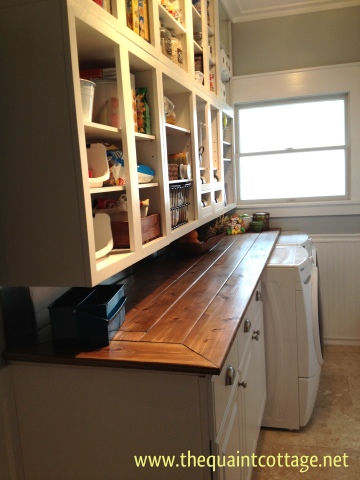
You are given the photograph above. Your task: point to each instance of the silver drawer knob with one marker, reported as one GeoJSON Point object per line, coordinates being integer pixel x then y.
{"type": "Point", "coordinates": [247, 325]}
{"type": "Point", "coordinates": [256, 335]}
{"type": "Point", "coordinates": [230, 375]}
{"type": "Point", "coordinates": [243, 384]}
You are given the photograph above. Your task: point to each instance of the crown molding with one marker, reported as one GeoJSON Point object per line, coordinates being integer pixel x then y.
{"type": "Point", "coordinates": [238, 13]}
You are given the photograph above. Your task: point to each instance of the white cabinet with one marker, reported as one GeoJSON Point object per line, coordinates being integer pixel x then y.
{"type": "Point", "coordinates": [47, 233]}
{"type": "Point", "coordinates": [87, 422]}
{"type": "Point", "coordinates": [244, 395]}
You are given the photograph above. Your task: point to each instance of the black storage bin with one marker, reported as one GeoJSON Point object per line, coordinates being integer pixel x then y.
{"type": "Point", "coordinates": [87, 317]}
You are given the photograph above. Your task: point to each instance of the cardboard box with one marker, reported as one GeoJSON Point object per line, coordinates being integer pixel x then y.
{"type": "Point", "coordinates": [150, 229]}
{"type": "Point", "coordinates": [132, 15]}
{"type": "Point", "coordinates": [144, 20]}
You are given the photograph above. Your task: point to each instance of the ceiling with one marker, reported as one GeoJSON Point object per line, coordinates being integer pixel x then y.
{"type": "Point", "coordinates": [246, 10]}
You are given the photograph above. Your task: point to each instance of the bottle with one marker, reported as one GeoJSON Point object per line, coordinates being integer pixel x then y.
{"type": "Point", "coordinates": [165, 41]}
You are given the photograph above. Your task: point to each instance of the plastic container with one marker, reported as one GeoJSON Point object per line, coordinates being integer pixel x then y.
{"type": "Point", "coordinates": [97, 164]}
{"type": "Point", "coordinates": [199, 76]}
{"type": "Point", "coordinates": [103, 300]}
{"type": "Point", "coordinates": [103, 235]}
{"type": "Point", "coordinates": [87, 98]}
{"type": "Point", "coordinates": [87, 317]}
{"type": "Point", "coordinates": [106, 103]}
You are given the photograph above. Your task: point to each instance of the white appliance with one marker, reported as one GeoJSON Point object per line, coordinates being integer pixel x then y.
{"type": "Point", "coordinates": [292, 340]}
{"type": "Point", "coordinates": [298, 239]}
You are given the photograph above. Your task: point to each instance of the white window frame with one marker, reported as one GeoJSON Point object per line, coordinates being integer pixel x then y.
{"type": "Point", "coordinates": [310, 82]}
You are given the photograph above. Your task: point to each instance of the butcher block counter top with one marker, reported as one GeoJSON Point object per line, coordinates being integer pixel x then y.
{"type": "Point", "coordinates": [182, 312]}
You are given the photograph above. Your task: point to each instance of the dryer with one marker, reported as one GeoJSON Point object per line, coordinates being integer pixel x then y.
{"type": "Point", "coordinates": [292, 340]}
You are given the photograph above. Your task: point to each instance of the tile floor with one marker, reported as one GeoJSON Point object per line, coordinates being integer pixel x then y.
{"type": "Point", "coordinates": [334, 428]}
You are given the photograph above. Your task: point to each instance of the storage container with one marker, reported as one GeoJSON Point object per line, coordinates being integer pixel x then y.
{"type": "Point", "coordinates": [102, 235]}
{"type": "Point", "coordinates": [264, 217]}
{"type": "Point", "coordinates": [150, 229]}
{"type": "Point", "coordinates": [97, 164]}
{"type": "Point", "coordinates": [199, 77]}
{"type": "Point", "coordinates": [87, 317]}
{"type": "Point", "coordinates": [106, 103]}
{"type": "Point", "coordinates": [179, 204]}
{"type": "Point", "coordinates": [87, 98]}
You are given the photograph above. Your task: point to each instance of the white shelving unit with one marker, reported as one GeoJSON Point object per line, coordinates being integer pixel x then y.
{"type": "Point", "coordinates": [47, 233]}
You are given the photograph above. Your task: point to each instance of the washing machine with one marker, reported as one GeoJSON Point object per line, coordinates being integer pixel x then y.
{"type": "Point", "coordinates": [302, 239]}
{"type": "Point", "coordinates": [292, 339]}
{"type": "Point", "coordinates": [298, 239]}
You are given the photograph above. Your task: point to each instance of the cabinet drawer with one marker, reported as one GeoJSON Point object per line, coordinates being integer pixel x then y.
{"type": "Point", "coordinates": [225, 385]}
{"type": "Point", "coordinates": [247, 326]}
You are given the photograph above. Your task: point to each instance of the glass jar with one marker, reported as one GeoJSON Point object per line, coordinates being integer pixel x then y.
{"type": "Point", "coordinates": [165, 41]}
{"type": "Point", "coordinates": [180, 53]}
{"type": "Point", "coordinates": [177, 52]}
{"type": "Point", "coordinates": [198, 38]}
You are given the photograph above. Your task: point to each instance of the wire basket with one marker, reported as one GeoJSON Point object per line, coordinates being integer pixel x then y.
{"type": "Point", "coordinates": [179, 204]}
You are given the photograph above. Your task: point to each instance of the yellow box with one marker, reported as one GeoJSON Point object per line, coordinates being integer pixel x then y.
{"type": "Point", "coordinates": [132, 15]}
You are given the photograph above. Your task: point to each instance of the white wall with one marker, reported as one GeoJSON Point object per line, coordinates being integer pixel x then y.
{"type": "Point", "coordinates": [339, 279]}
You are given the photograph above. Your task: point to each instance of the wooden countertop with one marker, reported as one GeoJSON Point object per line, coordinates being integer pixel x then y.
{"type": "Point", "coordinates": [182, 313]}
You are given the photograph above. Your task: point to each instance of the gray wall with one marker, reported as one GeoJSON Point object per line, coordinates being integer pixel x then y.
{"type": "Point", "coordinates": [334, 225]}
{"type": "Point", "coordinates": [331, 37]}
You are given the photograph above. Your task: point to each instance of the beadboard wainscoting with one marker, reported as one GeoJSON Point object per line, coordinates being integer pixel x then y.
{"type": "Point", "coordinates": [338, 259]}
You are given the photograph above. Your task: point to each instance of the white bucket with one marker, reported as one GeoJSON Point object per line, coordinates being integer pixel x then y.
{"type": "Point", "coordinates": [87, 98]}
{"type": "Point", "coordinates": [106, 103]}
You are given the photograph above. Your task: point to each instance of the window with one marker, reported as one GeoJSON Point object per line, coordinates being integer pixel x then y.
{"type": "Point", "coordinates": [293, 150]}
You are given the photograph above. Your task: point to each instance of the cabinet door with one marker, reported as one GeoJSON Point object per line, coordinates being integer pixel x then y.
{"type": "Point", "coordinates": [259, 360]}
{"type": "Point", "coordinates": [228, 445]}
{"type": "Point", "coordinates": [248, 405]}
{"type": "Point", "coordinates": [252, 382]}
{"type": "Point", "coordinates": [225, 388]}
{"type": "Point", "coordinates": [97, 420]}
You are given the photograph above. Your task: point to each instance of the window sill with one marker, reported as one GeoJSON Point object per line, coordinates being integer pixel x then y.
{"type": "Point", "coordinates": [305, 209]}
